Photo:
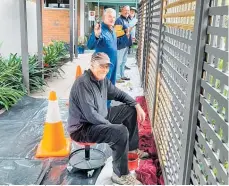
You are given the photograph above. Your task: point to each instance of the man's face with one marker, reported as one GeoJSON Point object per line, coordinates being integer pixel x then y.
{"type": "Point", "coordinates": [132, 13]}
{"type": "Point", "coordinates": [109, 19]}
{"type": "Point", "coordinates": [125, 11]}
{"type": "Point", "coordinates": [100, 70]}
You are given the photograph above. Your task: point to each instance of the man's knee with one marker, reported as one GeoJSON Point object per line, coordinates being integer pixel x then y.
{"type": "Point", "coordinates": [132, 110]}
{"type": "Point", "coordinates": [121, 132]}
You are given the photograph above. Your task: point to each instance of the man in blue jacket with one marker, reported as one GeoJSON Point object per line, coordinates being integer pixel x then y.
{"type": "Point", "coordinates": [124, 41]}
{"type": "Point", "coordinates": [103, 39]}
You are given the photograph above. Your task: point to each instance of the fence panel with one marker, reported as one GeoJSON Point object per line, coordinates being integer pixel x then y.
{"type": "Point", "coordinates": [210, 159]}
{"type": "Point", "coordinates": [141, 34]}
{"type": "Point", "coordinates": [154, 28]}
{"type": "Point", "coordinates": [146, 42]}
{"type": "Point", "coordinates": [185, 76]}
{"type": "Point", "coordinates": [171, 128]}
{"type": "Point", "coordinates": [138, 31]}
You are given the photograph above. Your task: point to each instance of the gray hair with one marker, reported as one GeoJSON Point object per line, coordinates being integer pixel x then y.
{"type": "Point", "coordinates": [125, 6]}
{"type": "Point", "coordinates": [109, 10]}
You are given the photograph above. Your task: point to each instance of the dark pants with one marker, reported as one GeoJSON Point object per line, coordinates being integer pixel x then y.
{"type": "Point", "coordinates": [129, 50]}
{"type": "Point", "coordinates": [121, 135]}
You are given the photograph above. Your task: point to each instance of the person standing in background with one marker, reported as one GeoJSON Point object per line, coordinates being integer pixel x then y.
{"type": "Point", "coordinates": [103, 39]}
{"type": "Point", "coordinates": [132, 23]}
{"type": "Point", "coordinates": [124, 40]}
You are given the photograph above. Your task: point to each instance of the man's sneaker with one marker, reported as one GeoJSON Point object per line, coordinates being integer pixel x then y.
{"type": "Point", "coordinates": [125, 78]}
{"type": "Point", "coordinates": [127, 68]}
{"type": "Point", "coordinates": [120, 81]}
{"type": "Point", "coordinates": [141, 154]}
{"type": "Point", "coordinates": [125, 180]}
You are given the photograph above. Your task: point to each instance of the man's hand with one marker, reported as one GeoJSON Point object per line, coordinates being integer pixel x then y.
{"type": "Point", "coordinates": [97, 30]}
{"type": "Point", "coordinates": [131, 28]}
{"type": "Point", "coordinates": [140, 113]}
{"type": "Point", "coordinates": [127, 32]}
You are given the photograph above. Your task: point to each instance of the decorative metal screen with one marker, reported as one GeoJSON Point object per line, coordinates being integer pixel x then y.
{"type": "Point", "coordinates": [187, 72]}
{"type": "Point", "coordinates": [210, 160]}
{"type": "Point", "coordinates": [170, 126]}
{"type": "Point", "coordinates": [146, 41]}
{"type": "Point", "coordinates": [138, 33]}
{"type": "Point", "coordinates": [152, 55]}
{"type": "Point", "coordinates": [141, 35]}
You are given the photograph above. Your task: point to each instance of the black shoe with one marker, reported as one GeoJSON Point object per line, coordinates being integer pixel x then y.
{"type": "Point", "coordinates": [127, 68]}
{"type": "Point", "coordinates": [125, 78]}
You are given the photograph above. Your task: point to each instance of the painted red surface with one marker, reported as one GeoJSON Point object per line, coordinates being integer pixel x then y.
{"type": "Point", "coordinates": [149, 171]}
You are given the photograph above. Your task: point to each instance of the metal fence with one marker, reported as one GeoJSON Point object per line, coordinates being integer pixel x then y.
{"type": "Point", "coordinates": [141, 34]}
{"type": "Point", "coordinates": [153, 53]}
{"type": "Point", "coordinates": [185, 77]}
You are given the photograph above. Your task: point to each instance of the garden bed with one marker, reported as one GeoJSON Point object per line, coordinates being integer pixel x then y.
{"type": "Point", "coordinates": [11, 77]}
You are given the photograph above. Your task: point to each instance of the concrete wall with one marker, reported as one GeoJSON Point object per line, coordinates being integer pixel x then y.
{"type": "Point", "coordinates": [10, 27]}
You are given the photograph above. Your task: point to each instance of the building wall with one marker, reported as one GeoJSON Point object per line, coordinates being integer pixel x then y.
{"type": "Point", "coordinates": [56, 24]}
{"type": "Point", "coordinates": [10, 38]}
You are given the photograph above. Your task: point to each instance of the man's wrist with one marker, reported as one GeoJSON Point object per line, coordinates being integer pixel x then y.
{"type": "Point", "coordinates": [97, 35]}
{"type": "Point", "coordinates": [137, 106]}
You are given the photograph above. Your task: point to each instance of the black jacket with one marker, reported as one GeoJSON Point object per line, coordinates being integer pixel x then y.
{"type": "Point", "coordinates": [88, 101]}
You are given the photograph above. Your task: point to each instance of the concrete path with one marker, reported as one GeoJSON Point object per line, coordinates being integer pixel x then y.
{"type": "Point", "coordinates": [62, 85]}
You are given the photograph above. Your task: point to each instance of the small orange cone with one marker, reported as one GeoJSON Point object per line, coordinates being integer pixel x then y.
{"type": "Point", "coordinates": [78, 71]}
{"type": "Point", "coordinates": [53, 143]}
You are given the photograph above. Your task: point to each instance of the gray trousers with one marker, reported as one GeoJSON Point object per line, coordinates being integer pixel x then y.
{"type": "Point", "coordinates": [121, 135]}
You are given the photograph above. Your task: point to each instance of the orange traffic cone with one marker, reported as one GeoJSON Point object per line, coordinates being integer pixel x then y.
{"type": "Point", "coordinates": [78, 71]}
{"type": "Point", "coordinates": [53, 143]}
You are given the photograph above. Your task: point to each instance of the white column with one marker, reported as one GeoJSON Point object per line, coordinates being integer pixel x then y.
{"type": "Point", "coordinates": [82, 15]}
{"type": "Point", "coordinates": [71, 15]}
{"type": "Point", "coordinates": [24, 44]}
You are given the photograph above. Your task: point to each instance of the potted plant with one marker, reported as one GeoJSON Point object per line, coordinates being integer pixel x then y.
{"type": "Point", "coordinates": [82, 40]}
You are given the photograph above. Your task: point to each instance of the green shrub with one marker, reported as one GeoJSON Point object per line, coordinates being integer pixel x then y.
{"type": "Point", "coordinates": [11, 78]}
{"type": "Point", "coordinates": [11, 82]}
{"type": "Point", "coordinates": [11, 73]}
{"type": "Point", "coordinates": [61, 50]}
{"type": "Point", "coordinates": [53, 56]}
{"type": "Point", "coordinates": [9, 96]}
{"type": "Point", "coordinates": [36, 80]}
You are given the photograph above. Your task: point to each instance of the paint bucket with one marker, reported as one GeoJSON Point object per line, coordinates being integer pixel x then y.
{"type": "Point", "coordinates": [132, 161]}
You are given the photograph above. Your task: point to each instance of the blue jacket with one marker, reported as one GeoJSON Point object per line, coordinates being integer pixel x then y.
{"type": "Point", "coordinates": [107, 43]}
{"type": "Point", "coordinates": [123, 41]}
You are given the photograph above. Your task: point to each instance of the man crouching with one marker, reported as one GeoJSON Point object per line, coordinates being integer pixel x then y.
{"type": "Point", "coordinates": [90, 120]}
